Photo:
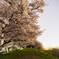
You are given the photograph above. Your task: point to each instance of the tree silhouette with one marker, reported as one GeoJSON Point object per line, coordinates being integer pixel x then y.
{"type": "Point", "coordinates": [18, 22]}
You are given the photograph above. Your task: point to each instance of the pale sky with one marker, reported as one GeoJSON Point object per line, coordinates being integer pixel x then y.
{"type": "Point", "coordinates": [49, 20]}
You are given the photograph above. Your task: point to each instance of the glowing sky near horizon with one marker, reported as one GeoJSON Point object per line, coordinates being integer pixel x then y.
{"type": "Point", "coordinates": [49, 20]}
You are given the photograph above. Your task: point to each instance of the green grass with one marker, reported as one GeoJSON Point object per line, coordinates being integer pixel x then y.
{"type": "Point", "coordinates": [44, 54]}
{"type": "Point", "coordinates": [27, 53]}
{"type": "Point", "coordinates": [54, 52]}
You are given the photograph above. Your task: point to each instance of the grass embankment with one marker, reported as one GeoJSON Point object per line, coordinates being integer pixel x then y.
{"type": "Point", "coordinates": [27, 53]}
{"type": "Point", "coordinates": [54, 52]}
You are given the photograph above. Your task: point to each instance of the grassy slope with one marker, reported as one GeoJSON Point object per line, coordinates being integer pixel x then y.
{"type": "Point", "coordinates": [27, 54]}
{"type": "Point", "coordinates": [54, 52]}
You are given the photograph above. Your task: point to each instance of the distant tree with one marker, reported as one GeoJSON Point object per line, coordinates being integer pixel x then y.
{"type": "Point", "coordinates": [18, 21]}
{"type": "Point", "coordinates": [37, 45]}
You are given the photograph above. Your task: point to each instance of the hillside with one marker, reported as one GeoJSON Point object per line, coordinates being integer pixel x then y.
{"type": "Point", "coordinates": [28, 53]}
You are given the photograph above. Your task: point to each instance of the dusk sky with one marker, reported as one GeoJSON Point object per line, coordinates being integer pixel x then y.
{"type": "Point", "coordinates": [49, 20]}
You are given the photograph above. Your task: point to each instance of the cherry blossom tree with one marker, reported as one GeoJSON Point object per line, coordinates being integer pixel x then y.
{"type": "Point", "coordinates": [18, 22]}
